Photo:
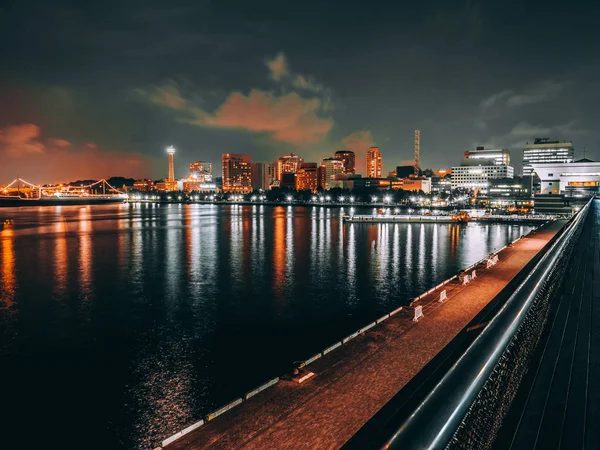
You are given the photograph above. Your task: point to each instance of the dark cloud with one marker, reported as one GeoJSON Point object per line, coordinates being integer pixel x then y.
{"type": "Point", "coordinates": [265, 77]}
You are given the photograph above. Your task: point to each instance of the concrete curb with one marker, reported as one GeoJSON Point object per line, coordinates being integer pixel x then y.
{"type": "Point", "coordinates": [261, 388]}
{"type": "Point", "coordinates": [223, 409]}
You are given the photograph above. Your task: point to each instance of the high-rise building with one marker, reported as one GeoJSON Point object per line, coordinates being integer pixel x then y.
{"type": "Point", "coordinates": [287, 164]}
{"type": "Point", "coordinates": [307, 177]}
{"type": "Point", "coordinates": [170, 183]}
{"type": "Point", "coordinates": [544, 151]}
{"type": "Point", "coordinates": [374, 163]}
{"type": "Point", "coordinates": [475, 173]}
{"type": "Point", "coordinates": [349, 160]}
{"type": "Point", "coordinates": [237, 173]}
{"type": "Point", "coordinates": [498, 155]}
{"type": "Point", "coordinates": [260, 176]}
{"type": "Point", "coordinates": [329, 168]}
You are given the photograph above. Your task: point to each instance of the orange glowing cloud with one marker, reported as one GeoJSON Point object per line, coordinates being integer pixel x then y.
{"type": "Point", "coordinates": [21, 139]}
{"type": "Point", "coordinates": [288, 118]}
{"type": "Point", "coordinates": [41, 160]}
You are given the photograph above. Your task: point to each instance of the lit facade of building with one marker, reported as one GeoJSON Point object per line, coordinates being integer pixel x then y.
{"type": "Point", "coordinates": [349, 160]}
{"type": "Point", "coordinates": [545, 151]}
{"type": "Point", "coordinates": [579, 178]}
{"type": "Point", "coordinates": [307, 177]}
{"type": "Point", "coordinates": [143, 185]}
{"type": "Point", "coordinates": [417, 184]}
{"type": "Point", "coordinates": [374, 163]}
{"type": "Point", "coordinates": [237, 173]}
{"type": "Point", "coordinates": [499, 156]}
{"type": "Point", "coordinates": [287, 164]}
{"type": "Point", "coordinates": [329, 168]}
{"type": "Point", "coordinates": [472, 176]}
{"type": "Point", "coordinates": [441, 185]}
{"type": "Point", "coordinates": [202, 170]}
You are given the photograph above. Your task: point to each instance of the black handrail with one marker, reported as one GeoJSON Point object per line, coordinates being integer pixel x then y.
{"type": "Point", "coordinates": [437, 419]}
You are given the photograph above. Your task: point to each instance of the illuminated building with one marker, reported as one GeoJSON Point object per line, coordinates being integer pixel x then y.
{"type": "Point", "coordinates": [545, 151]}
{"type": "Point", "coordinates": [329, 168]}
{"type": "Point", "coordinates": [143, 185]}
{"type": "Point", "coordinates": [441, 184]}
{"type": "Point", "coordinates": [579, 178]}
{"type": "Point", "coordinates": [374, 163]}
{"type": "Point", "coordinates": [170, 183]}
{"type": "Point", "coordinates": [349, 160]}
{"type": "Point", "coordinates": [201, 170]}
{"type": "Point", "coordinates": [287, 164]}
{"type": "Point", "coordinates": [417, 184]}
{"type": "Point", "coordinates": [500, 157]}
{"type": "Point", "coordinates": [237, 173]}
{"type": "Point", "coordinates": [307, 177]}
{"type": "Point", "coordinates": [382, 184]}
{"type": "Point", "coordinates": [475, 173]}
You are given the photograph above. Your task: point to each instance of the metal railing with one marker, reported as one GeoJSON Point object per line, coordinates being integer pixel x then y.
{"type": "Point", "coordinates": [466, 408]}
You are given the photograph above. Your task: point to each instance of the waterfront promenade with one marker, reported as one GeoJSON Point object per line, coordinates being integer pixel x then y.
{"type": "Point", "coordinates": [353, 382]}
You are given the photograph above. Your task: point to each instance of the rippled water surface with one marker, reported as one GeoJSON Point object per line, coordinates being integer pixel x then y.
{"type": "Point", "coordinates": [121, 324]}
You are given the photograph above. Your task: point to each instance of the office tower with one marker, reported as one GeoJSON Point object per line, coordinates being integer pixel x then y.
{"type": "Point", "coordinates": [476, 170]}
{"type": "Point", "coordinates": [498, 155]}
{"type": "Point", "coordinates": [349, 160]}
{"type": "Point", "coordinates": [287, 164]}
{"type": "Point", "coordinates": [374, 163]}
{"type": "Point", "coordinates": [544, 151]}
{"type": "Point", "coordinates": [237, 173]}
{"type": "Point", "coordinates": [307, 177]}
{"type": "Point", "coordinates": [260, 176]}
{"type": "Point", "coordinates": [329, 168]}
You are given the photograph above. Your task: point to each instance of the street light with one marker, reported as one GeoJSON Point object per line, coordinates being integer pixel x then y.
{"type": "Point", "coordinates": [374, 199]}
{"type": "Point", "coordinates": [387, 199]}
{"type": "Point", "coordinates": [351, 199]}
{"type": "Point", "coordinates": [290, 198]}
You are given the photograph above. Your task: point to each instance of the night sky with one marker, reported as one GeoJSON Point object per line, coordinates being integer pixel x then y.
{"type": "Point", "coordinates": [94, 89]}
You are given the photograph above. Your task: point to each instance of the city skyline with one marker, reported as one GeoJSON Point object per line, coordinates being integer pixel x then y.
{"type": "Point", "coordinates": [108, 93]}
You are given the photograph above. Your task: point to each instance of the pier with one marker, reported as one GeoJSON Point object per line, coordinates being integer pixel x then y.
{"type": "Point", "coordinates": [338, 390]}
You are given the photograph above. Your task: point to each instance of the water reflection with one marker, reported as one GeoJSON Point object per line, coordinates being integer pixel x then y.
{"type": "Point", "coordinates": [85, 253]}
{"type": "Point", "coordinates": [7, 293]}
{"type": "Point", "coordinates": [196, 290]}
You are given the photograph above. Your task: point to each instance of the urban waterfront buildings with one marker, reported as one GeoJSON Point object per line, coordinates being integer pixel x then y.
{"type": "Point", "coordinates": [498, 155]}
{"type": "Point", "coordinates": [260, 176]}
{"type": "Point", "coordinates": [545, 151]}
{"type": "Point", "coordinates": [201, 170]}
{"type": "Point", "coordinates": [329, 168]}
{"type": "Point", "coordinates": [349, 160]}
{"type": "Point", "coordinates": [237, 173]}
{"type": "Point", "coordinates": [479, 166]}
{"type": "Point", "coordinates": [374, 163]}
{"type": "Point", "coordinates": [579, 178]}
{"type": "Point", "coordinates": [307, 177]}
{"type": "Point", "coordinates": [287, 164]}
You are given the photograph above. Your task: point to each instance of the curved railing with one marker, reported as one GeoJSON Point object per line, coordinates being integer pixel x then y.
{"type": "Point", "coordinates": [467, 407]}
